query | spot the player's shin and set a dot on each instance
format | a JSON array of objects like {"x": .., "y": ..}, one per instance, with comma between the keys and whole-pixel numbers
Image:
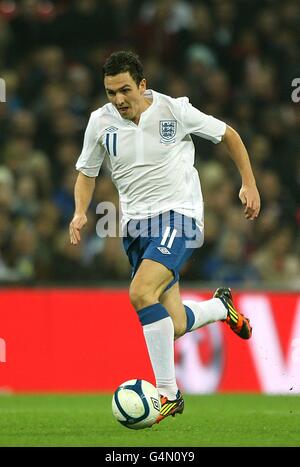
[{"x": 158, "y": 330}]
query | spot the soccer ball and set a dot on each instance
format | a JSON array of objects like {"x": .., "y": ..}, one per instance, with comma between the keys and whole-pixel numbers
[{"x": 136, "y": 404}]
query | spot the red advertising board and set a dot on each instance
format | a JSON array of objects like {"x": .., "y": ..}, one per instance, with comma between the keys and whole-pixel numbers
[{"x": 91, "y": 340}]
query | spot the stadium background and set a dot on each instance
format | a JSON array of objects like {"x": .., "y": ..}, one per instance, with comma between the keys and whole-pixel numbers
[{"x": 234, "y": 59}]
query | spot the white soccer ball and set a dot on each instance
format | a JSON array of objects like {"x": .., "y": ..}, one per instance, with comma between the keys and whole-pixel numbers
[{"x": 136, "y": 404}]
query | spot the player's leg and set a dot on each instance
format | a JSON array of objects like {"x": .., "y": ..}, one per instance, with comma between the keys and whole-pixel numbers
[
  {"x": 148, "y": 283},
  {"x": 192, "y": 314},
  {"x": 189, "y": 315},
  {"x": 146, "y": 287},
  {"x": 218, "y": 308},
  {"x": 171, "y": 300}
]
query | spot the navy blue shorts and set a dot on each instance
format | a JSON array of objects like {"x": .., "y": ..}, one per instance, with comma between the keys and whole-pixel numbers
[{"x": 168, "y": 238}]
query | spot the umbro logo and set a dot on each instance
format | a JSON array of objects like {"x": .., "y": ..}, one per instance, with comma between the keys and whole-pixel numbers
[
  {"x": 163, "y": 250},
  {"x": 111, "y": 129}
]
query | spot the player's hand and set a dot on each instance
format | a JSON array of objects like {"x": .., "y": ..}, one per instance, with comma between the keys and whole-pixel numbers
[
  {"x": 78, "y": 221},
  {"x": 250, "y": 198}
]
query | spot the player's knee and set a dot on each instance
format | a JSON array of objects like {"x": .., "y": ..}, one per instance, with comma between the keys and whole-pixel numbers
[{"x": 142, "y": 296}]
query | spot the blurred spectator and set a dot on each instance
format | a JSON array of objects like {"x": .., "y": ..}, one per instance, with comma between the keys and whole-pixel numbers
[
  {"x": 228, "y": 263},
  {"x": 6, "y": 189},
  {"x": 69, "y": 266},
  {"x": 276, "y": 262},
  {"x": 22, "y": 256},
  {"x": 26, "y": 204},
  {"x": 64, "y": 197}
]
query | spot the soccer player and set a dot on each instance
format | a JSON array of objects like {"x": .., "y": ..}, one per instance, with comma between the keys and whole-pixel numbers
[{"x": 146, "y": 136}]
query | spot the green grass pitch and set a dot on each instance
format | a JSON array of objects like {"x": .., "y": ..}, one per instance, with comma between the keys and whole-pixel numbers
[{"x": 208, "y": 420}]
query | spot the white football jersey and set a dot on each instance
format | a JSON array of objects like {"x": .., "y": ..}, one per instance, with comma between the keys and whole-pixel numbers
[{"x": 152, "y": 163}]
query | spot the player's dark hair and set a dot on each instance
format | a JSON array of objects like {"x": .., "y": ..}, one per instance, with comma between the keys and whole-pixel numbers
[{"x": 121, "y": 62}]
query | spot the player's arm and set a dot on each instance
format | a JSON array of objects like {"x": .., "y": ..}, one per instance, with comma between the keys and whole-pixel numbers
[
  {"x": 206, "y": 126},
  {"x": 248, "y": 194},
  {"x": 83, "y": 192}
]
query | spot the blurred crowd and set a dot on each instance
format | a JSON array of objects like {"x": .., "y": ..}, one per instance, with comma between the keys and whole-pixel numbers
[{"x": 235, "y": 59}]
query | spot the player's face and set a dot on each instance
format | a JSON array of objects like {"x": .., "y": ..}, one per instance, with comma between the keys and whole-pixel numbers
[{"x": 123, "y": 92}]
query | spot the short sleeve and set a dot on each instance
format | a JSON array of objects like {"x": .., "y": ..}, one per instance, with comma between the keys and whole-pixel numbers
[
  {"x": 92, "y": 154},
  {"x": 200, "y": 124}
]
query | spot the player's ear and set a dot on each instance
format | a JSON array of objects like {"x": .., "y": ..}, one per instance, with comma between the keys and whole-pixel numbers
[{"x": 143, "y": 86}]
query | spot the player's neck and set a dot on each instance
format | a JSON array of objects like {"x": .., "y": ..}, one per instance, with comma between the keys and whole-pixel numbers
[{"x": 145, "y": 103}]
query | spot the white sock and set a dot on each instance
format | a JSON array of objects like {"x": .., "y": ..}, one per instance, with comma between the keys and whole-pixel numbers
[
  {"x": 159, "y": 338},
  {"x": 207, "y": 311}
]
